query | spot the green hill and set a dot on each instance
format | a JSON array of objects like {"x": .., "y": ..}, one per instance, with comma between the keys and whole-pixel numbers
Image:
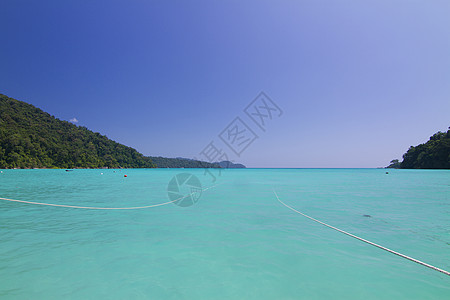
[
  {"x": 434, "y": 154},
  {"x": 32, "y": 138},
  {"x": 164, "y": 162}
]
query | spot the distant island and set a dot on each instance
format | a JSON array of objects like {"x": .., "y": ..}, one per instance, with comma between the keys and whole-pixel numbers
[
  {"x": 228, "y": 164},
  {"x": 434, "y": 154},
  {"x": 181, "y": 162},
  {"x": 32, "y": 138},
  {"x": 161, "y": 162}
]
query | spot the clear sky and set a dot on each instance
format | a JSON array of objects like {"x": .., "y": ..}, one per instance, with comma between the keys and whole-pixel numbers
[{"x": 358, "y": 81}]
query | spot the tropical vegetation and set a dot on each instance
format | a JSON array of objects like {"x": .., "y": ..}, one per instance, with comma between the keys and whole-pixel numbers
[
  {"x": 32, "y": 138},
  {"x": 434, "y": 154}
]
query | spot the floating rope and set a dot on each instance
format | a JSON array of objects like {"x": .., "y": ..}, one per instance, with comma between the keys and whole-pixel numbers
[
  {"x": 364, "y": 240},
  {"x": 104, "y": 208}
]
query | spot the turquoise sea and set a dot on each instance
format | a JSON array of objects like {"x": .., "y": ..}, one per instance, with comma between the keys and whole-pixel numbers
[{"x": 236, "y": 242}]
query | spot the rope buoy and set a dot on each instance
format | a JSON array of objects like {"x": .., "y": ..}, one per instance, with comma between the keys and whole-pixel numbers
[
  {"x": 365, "y": 241},
  {"x": 102, "y": 208}
]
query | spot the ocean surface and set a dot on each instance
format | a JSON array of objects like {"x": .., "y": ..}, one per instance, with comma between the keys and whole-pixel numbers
[{"x": 235, "y": 241}]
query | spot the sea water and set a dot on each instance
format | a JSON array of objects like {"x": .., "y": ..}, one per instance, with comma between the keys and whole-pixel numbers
[{"x": 236, "y": 242}]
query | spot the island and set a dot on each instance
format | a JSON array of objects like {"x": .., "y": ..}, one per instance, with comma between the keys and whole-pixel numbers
[
  {"x": 434, "y": 154},
  {"x": 31, "y": 138}
]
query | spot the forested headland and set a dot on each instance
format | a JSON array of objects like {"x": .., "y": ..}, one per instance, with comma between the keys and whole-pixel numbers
[
  {"x": 32, "y": 138},
  {"x": 434, "y": 154}
]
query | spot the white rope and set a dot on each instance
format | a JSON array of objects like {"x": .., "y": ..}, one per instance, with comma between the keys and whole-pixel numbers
[
  {"x": 104, "y": 208},
  {"x": 364, "y": 240}
]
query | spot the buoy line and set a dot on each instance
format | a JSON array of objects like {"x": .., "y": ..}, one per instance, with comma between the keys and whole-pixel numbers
[
  {"x": 364, "y": 240},
  {"x": 104, "y": 208}
]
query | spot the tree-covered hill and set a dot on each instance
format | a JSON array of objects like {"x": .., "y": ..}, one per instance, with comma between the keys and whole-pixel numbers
[
  {"x": 230, "y": 165},
  {"x": 434, "y": 154},
  {"x": 32, "y": 138},
  {"x": 164, "y": 162}
]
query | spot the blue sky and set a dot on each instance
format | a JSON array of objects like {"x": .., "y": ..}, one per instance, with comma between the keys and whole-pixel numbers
[{"x": 358, "y": 81}]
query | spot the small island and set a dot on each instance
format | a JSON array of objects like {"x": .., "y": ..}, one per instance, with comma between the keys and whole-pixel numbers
[{"x": 434, "y": 154}]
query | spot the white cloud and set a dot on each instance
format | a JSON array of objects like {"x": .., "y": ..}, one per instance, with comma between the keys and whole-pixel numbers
[{"x": 73, "y": 120}]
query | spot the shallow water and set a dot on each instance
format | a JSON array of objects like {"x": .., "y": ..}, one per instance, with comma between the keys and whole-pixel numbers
[{"x": 236, "y": 242}]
